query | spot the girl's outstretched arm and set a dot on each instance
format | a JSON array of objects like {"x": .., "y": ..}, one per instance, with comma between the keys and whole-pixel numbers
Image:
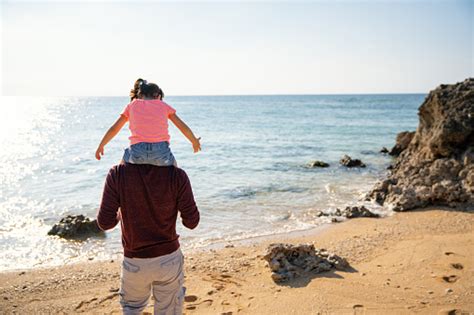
[
  {"x": 109, "y": 135},
  {"x": 181, "y": 125}
]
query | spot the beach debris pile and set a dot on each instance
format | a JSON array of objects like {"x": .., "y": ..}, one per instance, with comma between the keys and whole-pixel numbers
[
  {"x": 73, "y": 226},
  {"x": 351, "y": 213},
  {"x": 436, "y": 167},
  {"x": 314, "y": 164},
  {"x": 347, "y": 161},
  {"x": 288, "y": 261}
]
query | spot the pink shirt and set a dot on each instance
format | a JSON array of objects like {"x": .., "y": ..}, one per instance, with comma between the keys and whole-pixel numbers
[{"x": 148, "y": 120}]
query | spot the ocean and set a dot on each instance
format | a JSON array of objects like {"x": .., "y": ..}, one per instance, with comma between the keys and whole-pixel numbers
[{"x": 249, "y": 180}]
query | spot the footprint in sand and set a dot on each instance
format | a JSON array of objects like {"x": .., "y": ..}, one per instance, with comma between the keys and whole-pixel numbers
[
  {"x": 207, "y": 302},
  {"x": 193, "y": 306},
  {"x": 457, "y": 266},
  {"x": 190, "y": 298},
  {"x": 451, "y": 312},
  {"x": 450, "y": 279},
  {"x": 358, "y": 309},
  {"x": 84, "y": 303},
  {"x": 218, "y": 286}
]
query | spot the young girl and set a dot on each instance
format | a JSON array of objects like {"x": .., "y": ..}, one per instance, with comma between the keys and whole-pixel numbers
[{"x": 148, "y": 118}]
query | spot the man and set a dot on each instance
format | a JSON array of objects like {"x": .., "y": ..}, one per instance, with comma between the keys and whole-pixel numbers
[{"x": 146, "y": 200}]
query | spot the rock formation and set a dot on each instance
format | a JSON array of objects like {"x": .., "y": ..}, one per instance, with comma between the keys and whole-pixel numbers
[
  {"x": 347, "y": 161},
  {"x": 75, "y": 227},
  {"x": 289, "y": 261},
  {"x": 436, "y": 166}
]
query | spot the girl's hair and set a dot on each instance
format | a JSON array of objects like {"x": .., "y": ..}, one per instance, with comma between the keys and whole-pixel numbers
[
  {"x": 162, "y": 94},
  {"x": 136, "y": 88},
  {"x": 142, "y": 88}
]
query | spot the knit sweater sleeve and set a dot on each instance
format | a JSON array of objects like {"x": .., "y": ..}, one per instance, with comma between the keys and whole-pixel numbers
[
  {"x": 186, "y": 204},
  {"x": 107, "y": 215}
]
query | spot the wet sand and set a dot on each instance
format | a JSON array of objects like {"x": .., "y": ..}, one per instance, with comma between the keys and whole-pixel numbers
[{"x": 418, "y": 262}]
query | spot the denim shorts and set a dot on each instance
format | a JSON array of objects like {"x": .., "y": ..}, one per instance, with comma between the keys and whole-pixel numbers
[{"x": 154, "y": 153}]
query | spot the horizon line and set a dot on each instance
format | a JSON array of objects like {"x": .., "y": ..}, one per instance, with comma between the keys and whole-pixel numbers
[{"x": 213, "y": 95}]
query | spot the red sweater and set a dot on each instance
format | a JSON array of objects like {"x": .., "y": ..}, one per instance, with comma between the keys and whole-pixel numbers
[{"x": 149, "y": 198}]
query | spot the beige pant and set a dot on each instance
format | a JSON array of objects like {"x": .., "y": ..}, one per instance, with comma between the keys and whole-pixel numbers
[{"x": 161, "y": 275}]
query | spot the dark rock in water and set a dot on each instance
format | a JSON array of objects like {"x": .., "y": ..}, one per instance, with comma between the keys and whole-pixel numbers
[
  {"x": 401, "y": 143},
  {"x": 290, "y": 261},
  {"x": 75, "y": 227},
  {"x": 320, "y": 214},
  {"x": 349, "y": 162},
  {"x": 384, "y": 150},
  {"x": 314, "y": 164},
  {"x": 437, "y": 166}
]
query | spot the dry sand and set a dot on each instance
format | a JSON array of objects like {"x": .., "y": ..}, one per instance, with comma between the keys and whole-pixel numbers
[{"x": 415, "y": 262}]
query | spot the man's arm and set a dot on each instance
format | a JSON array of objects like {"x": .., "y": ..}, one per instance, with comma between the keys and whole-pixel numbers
[
  {"x": 186, "y": 204},
  {"x": 107, "y": 216}
]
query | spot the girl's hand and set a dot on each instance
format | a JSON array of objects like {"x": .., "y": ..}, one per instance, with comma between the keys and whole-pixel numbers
[
  {"x": 110, "y": 134},
  {"x": 197, "y": 145},
  {"x": 99, "y": 152}
]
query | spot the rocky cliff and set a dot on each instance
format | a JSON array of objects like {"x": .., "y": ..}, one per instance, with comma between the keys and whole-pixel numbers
[{"x": 435, "y": 164}]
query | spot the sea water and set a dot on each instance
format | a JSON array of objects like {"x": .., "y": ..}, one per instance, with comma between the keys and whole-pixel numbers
[{"x": 251, "y": 178}]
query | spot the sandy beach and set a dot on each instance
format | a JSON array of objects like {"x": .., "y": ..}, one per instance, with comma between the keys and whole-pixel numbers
[
  {"x": 315, "y": 157},
  {"x": 418, "y": 262}
]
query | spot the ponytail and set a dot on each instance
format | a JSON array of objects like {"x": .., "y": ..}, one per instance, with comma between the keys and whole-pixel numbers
[
  {"x": 161, "y": 94},
  {"x": 134, "y": 93}
]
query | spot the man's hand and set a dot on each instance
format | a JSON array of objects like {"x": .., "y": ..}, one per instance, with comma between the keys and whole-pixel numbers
[
  {"x": 197, "y": 145},
  {"x": 99, "y": 152}
]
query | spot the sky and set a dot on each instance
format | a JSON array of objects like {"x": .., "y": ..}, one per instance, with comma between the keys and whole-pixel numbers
[{"x": 89, "y": 48}]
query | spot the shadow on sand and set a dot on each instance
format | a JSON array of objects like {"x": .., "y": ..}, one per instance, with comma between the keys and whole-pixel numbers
[{"x": 306, "y": 277}]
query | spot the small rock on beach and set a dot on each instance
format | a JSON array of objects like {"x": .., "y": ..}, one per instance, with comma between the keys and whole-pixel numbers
[
  {"x": 290, "y": 261},
  {"x": 351, "y": 212}
]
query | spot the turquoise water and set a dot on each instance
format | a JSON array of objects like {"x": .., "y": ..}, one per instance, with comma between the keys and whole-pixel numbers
[{"x": 250, "y": 178}]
